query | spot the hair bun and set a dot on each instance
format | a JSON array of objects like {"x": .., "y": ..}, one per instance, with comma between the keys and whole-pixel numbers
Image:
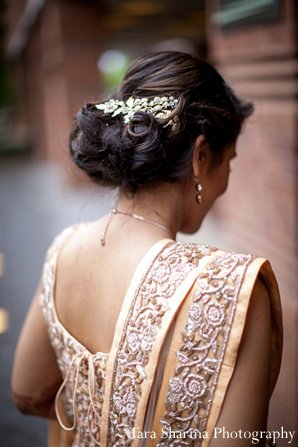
[
  {"x": 117, "y": 143},
  {"x": 115, "y": 154},
  {"x": 145, "y": 134},
  {"x": 141, "y": 124}
]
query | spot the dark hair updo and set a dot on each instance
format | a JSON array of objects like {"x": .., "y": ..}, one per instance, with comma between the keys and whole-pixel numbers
[{"x": 146, "y": 152}]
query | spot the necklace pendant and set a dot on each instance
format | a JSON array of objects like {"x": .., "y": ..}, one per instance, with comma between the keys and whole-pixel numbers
[{"x": 129, "y": 214}]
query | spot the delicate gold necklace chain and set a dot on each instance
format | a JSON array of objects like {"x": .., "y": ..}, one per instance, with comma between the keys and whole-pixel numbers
[{"x": 129, "y": 214}]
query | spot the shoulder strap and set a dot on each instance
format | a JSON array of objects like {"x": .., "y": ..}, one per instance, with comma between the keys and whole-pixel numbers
[{"x": 151, "y": 308}]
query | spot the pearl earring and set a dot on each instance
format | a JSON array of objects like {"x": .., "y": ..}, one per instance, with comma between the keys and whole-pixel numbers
[{"x": 199, "y": 189}]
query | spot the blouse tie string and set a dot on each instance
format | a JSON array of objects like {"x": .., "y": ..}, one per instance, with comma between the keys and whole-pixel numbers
[{"x": 93, "y": 418}]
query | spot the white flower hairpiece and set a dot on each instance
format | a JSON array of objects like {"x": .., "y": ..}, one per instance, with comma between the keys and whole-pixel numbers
[{"x": 160, "y": 106}]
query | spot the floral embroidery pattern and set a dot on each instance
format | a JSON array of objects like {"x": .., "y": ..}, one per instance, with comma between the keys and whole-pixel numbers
[
  {"x": 191, "y": 390},
  {"x": 151, "y": 302},
  {"x": 199, "y": 357}
]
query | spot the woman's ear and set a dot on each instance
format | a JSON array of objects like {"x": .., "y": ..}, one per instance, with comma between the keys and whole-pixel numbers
[{"x": 199, "y": 155}]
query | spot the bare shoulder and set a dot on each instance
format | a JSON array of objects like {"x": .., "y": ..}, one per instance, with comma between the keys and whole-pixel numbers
[
  {"x": 76, "y": 262},
  {"x": 84, "y": 237}
]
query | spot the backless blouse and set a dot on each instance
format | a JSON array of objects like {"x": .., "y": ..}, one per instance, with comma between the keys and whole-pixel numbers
[{"x": 173, "y": 354}]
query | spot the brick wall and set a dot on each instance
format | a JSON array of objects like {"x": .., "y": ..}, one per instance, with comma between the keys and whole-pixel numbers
[
  {"x": 259, "y": 213},
  {"x": 59, "y": 67}
]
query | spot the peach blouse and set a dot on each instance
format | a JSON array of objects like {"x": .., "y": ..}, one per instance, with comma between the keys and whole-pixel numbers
[{"x": 173, "y": 354}]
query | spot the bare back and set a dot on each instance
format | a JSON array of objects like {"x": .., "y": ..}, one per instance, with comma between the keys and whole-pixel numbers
[{"x": 91, "y": 280}]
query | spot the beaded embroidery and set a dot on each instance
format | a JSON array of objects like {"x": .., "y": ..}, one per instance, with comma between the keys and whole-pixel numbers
[
  {"x": 203, "y": 344},
  {"x": 200, "y": 355},
  {"x": 160, "y": 106},
  {"x": 151, "y": 302}
]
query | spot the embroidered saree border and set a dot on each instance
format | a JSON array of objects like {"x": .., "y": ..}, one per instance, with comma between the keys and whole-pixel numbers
[
  {"x": 137, "y": 279},
  {"x": 232, "y": 346},
  {"x": 140, "y": 335},
  {"x": 177, "y": 300},
  {"x": 187, "y": 392},
  {"x": 258, "y": 266},
  {"x": 162, "y": 348}
]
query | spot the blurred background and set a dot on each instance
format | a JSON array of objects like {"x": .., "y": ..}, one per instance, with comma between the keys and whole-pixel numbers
[{"x": 56, "y": 55}]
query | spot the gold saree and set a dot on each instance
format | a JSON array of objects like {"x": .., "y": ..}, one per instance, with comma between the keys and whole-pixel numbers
[{"x": 174, "y": 349}]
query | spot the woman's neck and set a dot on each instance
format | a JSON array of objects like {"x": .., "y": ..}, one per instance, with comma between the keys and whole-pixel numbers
[{"x": 161, "y": 206}]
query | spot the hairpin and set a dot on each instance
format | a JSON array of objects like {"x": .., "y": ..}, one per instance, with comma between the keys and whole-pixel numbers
[{"x": 160, "y": 106}]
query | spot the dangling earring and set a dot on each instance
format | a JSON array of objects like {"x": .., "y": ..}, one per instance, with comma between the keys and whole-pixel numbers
[{"x": 199, "y": 189}]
